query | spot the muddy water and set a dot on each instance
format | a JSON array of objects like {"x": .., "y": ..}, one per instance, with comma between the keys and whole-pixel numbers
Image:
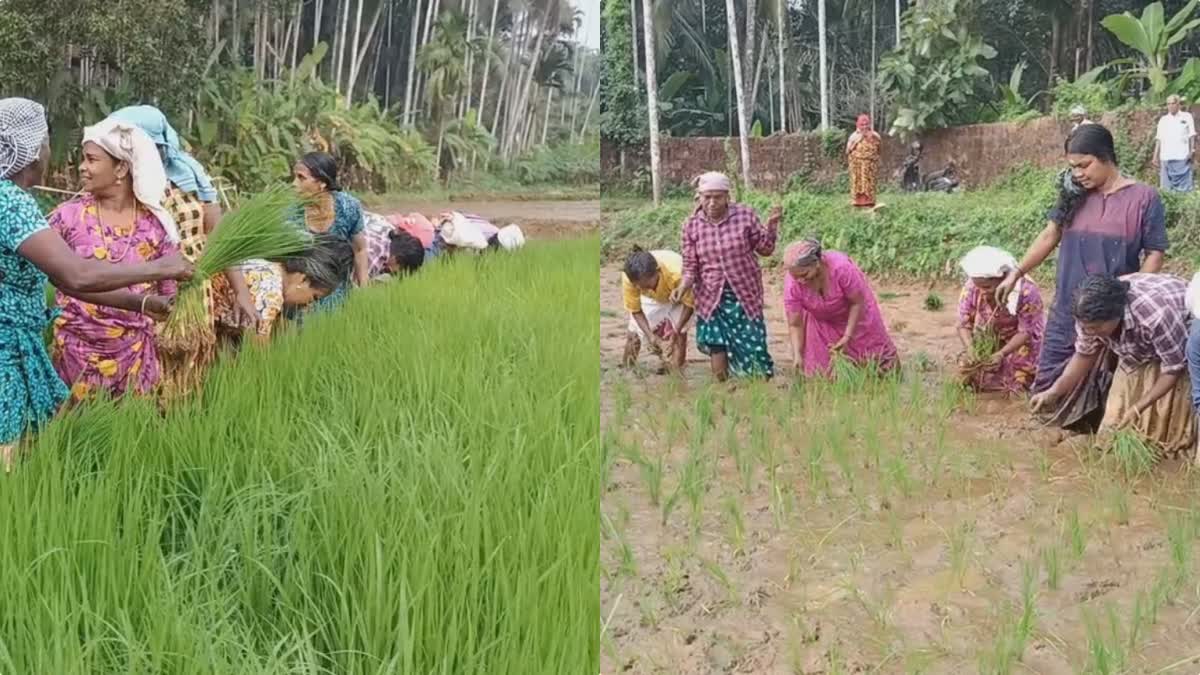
[{"x": 862, "y": 578}]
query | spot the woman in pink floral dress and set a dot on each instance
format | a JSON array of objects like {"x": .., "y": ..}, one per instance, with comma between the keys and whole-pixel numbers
[
  {"x": 1012, "y": 331},
  {"x": 119, "y": 219}
]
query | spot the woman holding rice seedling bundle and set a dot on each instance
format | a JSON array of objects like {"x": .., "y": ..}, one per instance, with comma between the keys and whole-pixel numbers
[
  {"x": 119, "y": 219},
  {"x": 720, "y": 243},
  {"x": 192, "y": 201},
  {"x": 1103, "y": 223},
  {"x": 297, "y": 282},
  {"x": 647, "y": 282},
  {"x": 1001, "y": 340},
  {"x": 831, "y": 309},
  {"x": 329, "y": 209},
  {"x": 32, "y": 253},
  {"x": 1143, "y": 320}
]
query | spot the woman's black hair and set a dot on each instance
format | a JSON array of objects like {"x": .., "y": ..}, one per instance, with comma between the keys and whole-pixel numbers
[
  {"x": 1092, "y": 139},
  {"x": 640, "y": 265},
  {"x": 323, "y": 167},
  {"x": 1100, "y": 298},
  {"x": 407, "y": 250},
  {"x": 326, "y": 265}
]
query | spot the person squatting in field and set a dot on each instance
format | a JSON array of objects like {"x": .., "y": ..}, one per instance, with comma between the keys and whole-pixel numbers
[
  {"x": 720, "y": 243},
  {"x": 1143, "y": 320},
  {"x": 831, "y": 309},
  {"x": 1103, "y": 223},
  {"x": 392, "y": 249},
  {"x": 655, "y": 320},
  {"x": 32, "y": 253},
  {"x": 119, "y": 220},
  {"x": 295, "y": 283},
  {"x": 1001, "y": 339}
]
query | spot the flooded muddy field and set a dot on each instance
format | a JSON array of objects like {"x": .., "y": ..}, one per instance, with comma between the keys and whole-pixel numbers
[{"x": 897, "y": 526}]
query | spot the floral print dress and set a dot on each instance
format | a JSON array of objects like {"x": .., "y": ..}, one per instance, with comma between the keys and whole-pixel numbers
[
  {"x": 264, "y": 280},
  {"x": 30, "y": 390},
  {"x": 99, "y": 348},
  {"x": 978, "y": 312}
]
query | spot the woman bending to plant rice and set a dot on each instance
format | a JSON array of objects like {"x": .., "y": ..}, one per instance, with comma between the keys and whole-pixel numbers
[
  {"x": 31, "y": 254},
  {"x": 1104, "y": 223},
  {"x": 720, "y": 242},
  {"x": 295, "y": 283},
  {"x": 831, "y": 309},
  {"x": 1143, "y": 320},
  {"x": 119, "y": 220},
  {"x": 391, "y": 249},
  {"x": 649, "y": 279},
  {"x": 192, "y": 201},
  {"x": 1001, "y": 340},
  {"x": 332, "y": 211}
]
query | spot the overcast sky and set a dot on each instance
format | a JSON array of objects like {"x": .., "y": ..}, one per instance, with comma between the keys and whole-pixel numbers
[{"x": 591, "y": 23}]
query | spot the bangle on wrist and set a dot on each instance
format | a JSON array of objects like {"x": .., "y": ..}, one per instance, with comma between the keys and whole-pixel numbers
[{"x": 143, "y": 309}]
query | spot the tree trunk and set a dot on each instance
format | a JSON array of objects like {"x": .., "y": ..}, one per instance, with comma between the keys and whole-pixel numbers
[
  {"x": 652, "y": 99},
  {"x": 412, "y": 61},
  {"x": 318, "y": 11},
  {"x": 341, "y": 50},
  {"x": 873, "y": 60},
  {"x": 781, "y": 26},
  {"x": 487, "y": 61},
  {"x": 1055, "y": 39},
  {"x": 391, "y": 56},
  {"x": 430, "y": 19},
  {"x": 762, "y": 57},
  {"x": 470, "y": 88},
  {"x": 750, "y": 56},
  {"x": 357, "y": 59},
  {"x": 743, "y": 124},
  {"x": 514, "y": 58},
  {"x": 822, "y": 55},
  {"x": 897, "y": 24},
  {"x": 1091, "y": 19},
  {"x": 633, "y": 18},
  {"x": 587, "y": 116},
  {"x": 546, "y": 120},
  {"x": 522, "y": 101},
  {"x": 237, "y": 34}
]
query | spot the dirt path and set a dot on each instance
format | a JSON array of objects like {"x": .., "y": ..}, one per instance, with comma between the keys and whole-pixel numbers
[
  {"x": 539, "y": 219},
  {"x": 747, "y": 550}
]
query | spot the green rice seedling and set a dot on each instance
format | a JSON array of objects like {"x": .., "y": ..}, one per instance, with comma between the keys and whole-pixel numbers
[
  {"x": 1132, "y": 455},
  {"x": 1106, "y": 645},
  {"x": 1052, "y": 562},
  {"x": 735, "y": 523},
  {"x": 961, "y": 542},
  {"x": 622, "y": 402},
  {"x": 1181, "y": 534},
  {"x": 817, "y": 479},
  {"x": 704, "y": 411},
  {"x": 742, "y": 458},
  {"x": 934, "y": 302},
  {"x": 1075, "y": 534},
  {"x": 1118, "y": 504},
  {"x": 652, "y": 476},
  {"x": 626, "y": 565},
  {"x": 783, "y": 498},
  {"x": 984, "y": 343},
  {"x": 715, "y": 570},
  {"x": 403, "y": 485},
  {"x": 675, "y": 425},
  {"x": 896, "y": 470}
]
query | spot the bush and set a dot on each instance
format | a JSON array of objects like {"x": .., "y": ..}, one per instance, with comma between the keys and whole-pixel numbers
[
  {"x": 570, "y": 164},
  {"x": 1095, "y": 97}
]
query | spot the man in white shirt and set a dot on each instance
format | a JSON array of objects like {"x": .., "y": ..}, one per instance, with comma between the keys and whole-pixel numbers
[{"x": 1174, "y": 146}]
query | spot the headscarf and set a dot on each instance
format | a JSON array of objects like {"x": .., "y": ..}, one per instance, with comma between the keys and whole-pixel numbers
[
  {"x": 863, "y": 124},
  {"x": 1079, "y": 110},
  {"x": 802, "y": 253},
  {"x": 182, "y": 169},
  {"x": 23, "y": 129},
  {"x": 128, "y": 143},
  {"x": 989, "y": 262},
  {"x": 714, "y": 181},
  {"x": 511, "y": 238}
]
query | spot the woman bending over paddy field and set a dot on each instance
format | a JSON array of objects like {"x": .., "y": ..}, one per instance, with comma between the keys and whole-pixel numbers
[
  {"x": 1143, "y": 320},
  {"x": 1104, "y": 223},
  {"x": 192, "y": 201},
  {"x": 295, "y": 283},
  {"x": 120, "y": 220},
  {"x": 1001, "y": 340},
  {"x": 332, "y": 211},
  {"x": 720, "y": 242},
  {"x": 831, "y": 309},
  {"x": 647, "y": 283},
  {"x": 392, "y": 250},
  {"x": 31, "y": 253}
]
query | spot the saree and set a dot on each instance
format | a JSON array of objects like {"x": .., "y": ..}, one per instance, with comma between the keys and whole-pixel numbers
[
  {"x": 186, "y": 353},
  {"x": 742, "y": 339},
  {"x": 978, "y": 312},
  {"x": 864, "y": 169},
  {"x": 1169, "y": 425},
  {"x": 103, "y": 349}
]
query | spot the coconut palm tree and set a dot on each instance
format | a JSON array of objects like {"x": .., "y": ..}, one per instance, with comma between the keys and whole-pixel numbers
[
  {"x": 740, "y": 89},
  {"x": 652, "y": 97}
]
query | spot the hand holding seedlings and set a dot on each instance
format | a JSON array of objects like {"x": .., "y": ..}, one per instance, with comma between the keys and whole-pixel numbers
[
  {"x": 157, "y": 307},
  {"x": 1042, "y": 401},
  {"x": 175, "y": 267},
  {"x": 1130, "y": 418}
]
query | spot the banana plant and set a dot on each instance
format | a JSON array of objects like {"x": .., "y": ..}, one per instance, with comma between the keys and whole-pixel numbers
[{"x": 1153, "y": 38}]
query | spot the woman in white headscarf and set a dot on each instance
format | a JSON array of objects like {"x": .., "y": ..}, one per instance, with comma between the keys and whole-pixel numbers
[
  {"x": 1001, "y": 341},
  {"x": 30, "y": 254},
  {"x": 119, "y": 219}
]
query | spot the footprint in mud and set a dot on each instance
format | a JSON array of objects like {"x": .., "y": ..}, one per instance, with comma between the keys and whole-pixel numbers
[{"x": 1095, "y": 589}]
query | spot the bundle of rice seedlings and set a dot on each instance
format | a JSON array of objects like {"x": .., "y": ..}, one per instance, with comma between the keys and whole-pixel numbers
[
  {"x": 984, "y": 343},
  {"x": 1131, "y": 453},
  {"x": 259, "y": 229}
]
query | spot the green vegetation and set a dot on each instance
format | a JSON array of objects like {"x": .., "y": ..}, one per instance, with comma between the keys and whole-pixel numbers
[
  {"x": 916, "y": 236},
  {"x": 404, "y": 486}
]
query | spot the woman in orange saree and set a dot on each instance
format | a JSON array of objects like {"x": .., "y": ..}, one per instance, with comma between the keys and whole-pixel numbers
[{"x": 862, "y": 153}]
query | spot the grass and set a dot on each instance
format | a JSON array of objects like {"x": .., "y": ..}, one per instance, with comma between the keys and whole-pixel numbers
[
  {"x": 402, "y": 487},
  {"x": 934, "y": 302}
]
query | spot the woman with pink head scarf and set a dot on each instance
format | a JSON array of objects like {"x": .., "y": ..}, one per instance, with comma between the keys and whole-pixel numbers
[
  {"x": 862, "y": 153},
  {"x": 720, "y": 243},
  {"x": 831, "y": 308}
]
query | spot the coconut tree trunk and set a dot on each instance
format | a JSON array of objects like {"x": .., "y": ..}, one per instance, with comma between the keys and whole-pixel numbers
[
  {"x": 546, "y": 119},
  {"x": 652, "y": 99},
  {"x": 487, "y": 60},
  {"x": 743, "y": 123},
  {"x": 358, "y": 57},
  {"x": 822, "y": 55},
  {"x": 751, "y": 56},
  {"x": 587, "y": 116},
  {"x": 514, "y": 58},
  {"x": 781, "y": 25},
  {"x": 633, "y": 20},
  {"x": 758, "y": 67},
  {"x": 897, "y": 24},
  {"x": 527, "y": 87},
  {"x": 317, "y": 15},
  {"x": 470, "y": 88},
  {"x": 414, "y": 32},
  {"x": 354, "y": 41}
]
